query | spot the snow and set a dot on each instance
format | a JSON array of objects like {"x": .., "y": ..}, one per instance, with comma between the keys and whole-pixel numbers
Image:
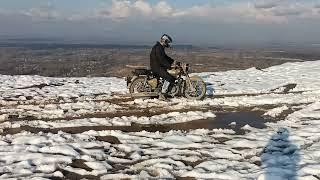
[
  {"x": 4, "y": 117},
  {"x": 29, "y": 139},
  {"x": 62, "y": 149},
  {"x": 286, "y": 148},
  {"x": 276, "y": 111},
  {"x": 257, "y": 81}
]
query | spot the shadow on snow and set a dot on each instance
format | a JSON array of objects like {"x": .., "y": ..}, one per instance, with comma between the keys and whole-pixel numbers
[{"x": 280, "y": 157}]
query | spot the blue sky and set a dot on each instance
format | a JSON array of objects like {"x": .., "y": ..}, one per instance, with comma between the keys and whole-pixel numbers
[{"x": 141, "y": 21}]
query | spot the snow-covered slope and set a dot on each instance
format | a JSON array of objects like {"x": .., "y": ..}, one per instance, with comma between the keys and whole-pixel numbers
[{"x": 86, "y": 128}]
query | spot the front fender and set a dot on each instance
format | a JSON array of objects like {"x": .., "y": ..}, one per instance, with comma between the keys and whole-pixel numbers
[
  {"x": 196, "y": 78},
  {"x": 185, "y": 81}
]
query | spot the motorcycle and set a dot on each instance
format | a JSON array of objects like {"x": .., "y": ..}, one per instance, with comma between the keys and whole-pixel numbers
[{"x": 144, "y": 83}]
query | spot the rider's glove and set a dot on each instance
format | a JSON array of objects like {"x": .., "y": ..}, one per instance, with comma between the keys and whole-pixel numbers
[{"x": 176, "y": 63}]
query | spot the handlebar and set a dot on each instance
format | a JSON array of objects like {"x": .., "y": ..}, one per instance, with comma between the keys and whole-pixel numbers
[
  {"x": 182, "y": 66},
  {"x": 176, "y": 64}
]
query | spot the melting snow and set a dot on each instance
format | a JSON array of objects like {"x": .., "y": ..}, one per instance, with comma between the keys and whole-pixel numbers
[{"x": 285, "y": 149}]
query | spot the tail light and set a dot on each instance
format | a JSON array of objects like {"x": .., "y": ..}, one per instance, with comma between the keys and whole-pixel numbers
[{"x": 128, "y": 79}]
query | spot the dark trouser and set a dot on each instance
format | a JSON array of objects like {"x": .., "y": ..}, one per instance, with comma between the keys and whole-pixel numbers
[
  {"x": 165, "y": 75},
  {"x": 169, "y": 80}
]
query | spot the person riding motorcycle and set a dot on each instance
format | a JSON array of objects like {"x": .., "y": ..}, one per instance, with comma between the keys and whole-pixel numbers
[{"x": 160, "y": 62}]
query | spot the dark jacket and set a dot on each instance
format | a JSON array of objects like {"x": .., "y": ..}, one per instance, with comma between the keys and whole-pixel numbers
[{"x": 160, "y": 62}]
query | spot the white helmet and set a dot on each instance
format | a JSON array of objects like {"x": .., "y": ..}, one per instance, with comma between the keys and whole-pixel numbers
[{"x": 166, "y": 40}]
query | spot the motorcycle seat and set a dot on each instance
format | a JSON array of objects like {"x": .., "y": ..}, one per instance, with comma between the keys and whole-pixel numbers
[{"x": 143, "y": 71}]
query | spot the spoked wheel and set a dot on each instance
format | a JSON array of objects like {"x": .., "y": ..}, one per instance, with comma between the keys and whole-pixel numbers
[
  {"x": 139, "y": 85},
  {"x": 198, "y": 91},
  {"x": 174, "y": 91}
]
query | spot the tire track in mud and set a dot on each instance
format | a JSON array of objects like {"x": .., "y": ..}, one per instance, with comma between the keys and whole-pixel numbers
[
  {"x": 222, "y": 120},
  {"x": 119, "y": 99},
  {"x": 116, "y": 98},
  {"x": 128, "y": 111},
  {"x": 115, "y": 101},
  {"x": 133, "y": 110},
  {"x": 256, "y": 94},
  {"x": 57, "y": 101}
]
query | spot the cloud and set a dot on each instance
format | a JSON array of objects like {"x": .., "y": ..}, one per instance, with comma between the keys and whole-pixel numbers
[
  {"x": 121, "y": 9},
  {"x": 163, "y": 9},
  {"x": 235, "y": 13},
  {"x": 143, "y": 7},
  {"x": 287, "y": 12},
  {"x": 266, "y": 4},
  {"x": 125, "y": 10},
  {"x": 44, "y": 12},
  {"x": 129, "y": 19},
  {"x": 256, "y": 11}
]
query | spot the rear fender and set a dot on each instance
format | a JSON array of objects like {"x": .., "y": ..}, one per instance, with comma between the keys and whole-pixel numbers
[{"x": 130, "y": 79}]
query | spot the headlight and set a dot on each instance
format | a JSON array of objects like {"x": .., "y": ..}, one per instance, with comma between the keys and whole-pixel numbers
[{"x": 187, "y": 67}]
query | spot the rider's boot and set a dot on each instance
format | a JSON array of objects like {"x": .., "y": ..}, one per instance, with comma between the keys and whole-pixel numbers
[
  {"x": 162, "y": 97},
  {"x": 163, "y": 93}
]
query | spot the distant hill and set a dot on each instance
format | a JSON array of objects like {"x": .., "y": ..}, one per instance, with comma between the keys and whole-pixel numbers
[{"x": 81, "y": 46}]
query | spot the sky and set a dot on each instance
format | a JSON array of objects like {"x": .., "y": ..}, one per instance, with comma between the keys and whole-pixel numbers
[{"x": 198, "y": 22}]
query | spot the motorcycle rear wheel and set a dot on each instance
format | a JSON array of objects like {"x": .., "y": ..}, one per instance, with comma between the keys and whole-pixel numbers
[{"x": 139, "y": 85}]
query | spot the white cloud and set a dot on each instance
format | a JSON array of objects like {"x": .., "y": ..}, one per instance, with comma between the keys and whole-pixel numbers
[
  {"x": 252, "y": 20},
  {"x": 120, "y": 9},
  {"x": 266, "y": 4},
  {"x": 254, "y": 11},
  {"x": 292, "y": 10},
  {"x": 43, "y": 13},
  {"x": 236, "y": 13},
  {"x": 125, "y": 9},
  {"x": 204, "y": 11},
  {"x": 143, "y": 7},
  {"x": 163, "y": 9}
]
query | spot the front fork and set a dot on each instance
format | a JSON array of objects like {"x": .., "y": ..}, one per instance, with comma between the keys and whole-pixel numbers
[{"x": 190, "y": 84}]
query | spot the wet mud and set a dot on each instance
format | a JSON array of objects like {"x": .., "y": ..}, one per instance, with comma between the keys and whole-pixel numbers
[{"x": 225, "y": 120}]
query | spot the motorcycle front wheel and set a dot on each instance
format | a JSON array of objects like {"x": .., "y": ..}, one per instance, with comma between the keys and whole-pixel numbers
[{"x": 199, "y": 86}]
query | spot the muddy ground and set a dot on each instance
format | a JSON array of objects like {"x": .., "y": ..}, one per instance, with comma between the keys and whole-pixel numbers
[{"x": 93, "y": 61}]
